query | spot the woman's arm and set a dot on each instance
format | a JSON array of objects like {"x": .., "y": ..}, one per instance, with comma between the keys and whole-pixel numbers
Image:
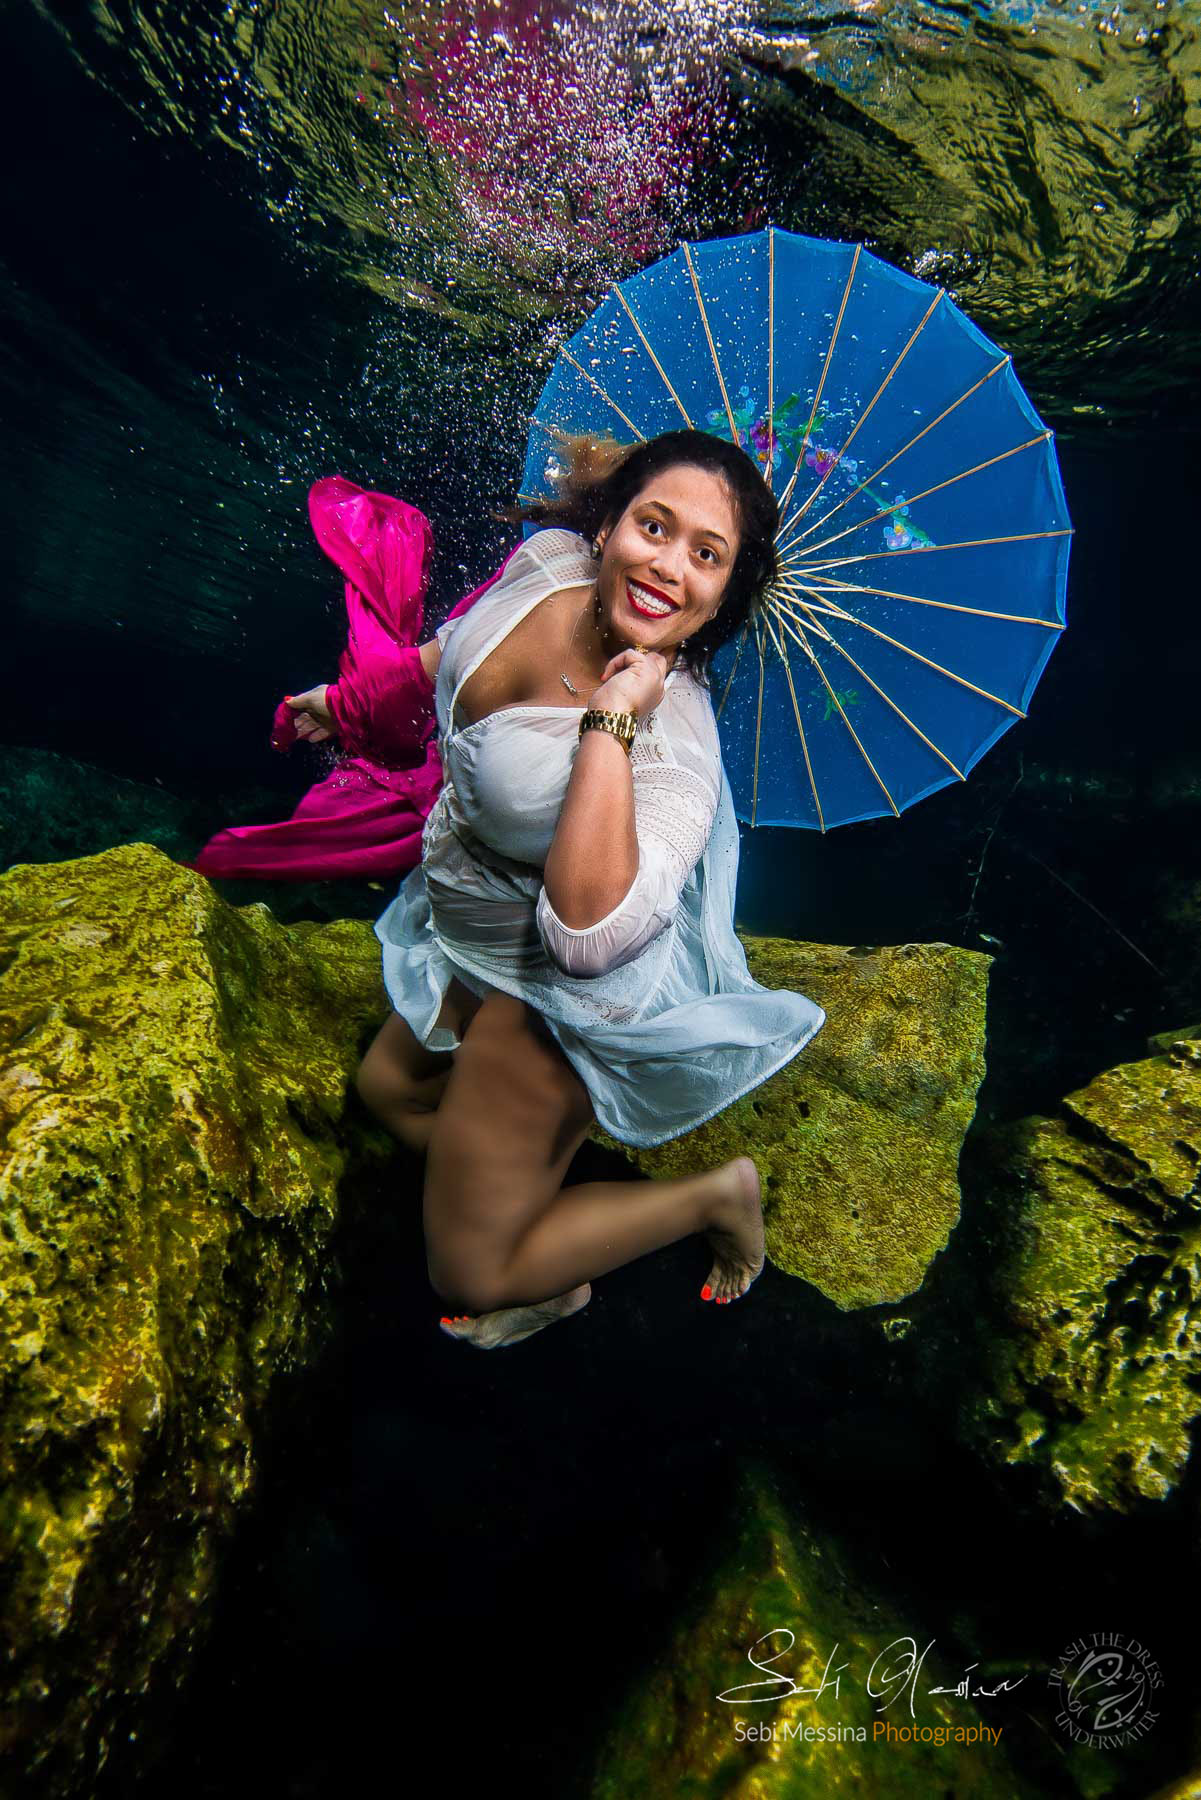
[
  {"x": 593, "y": 858},
  {"x": 431, "y": 656},
  {"x": 674, "y": 808}
]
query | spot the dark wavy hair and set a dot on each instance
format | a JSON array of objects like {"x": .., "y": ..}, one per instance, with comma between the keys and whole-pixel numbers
[{"x": 603, "y": 478}]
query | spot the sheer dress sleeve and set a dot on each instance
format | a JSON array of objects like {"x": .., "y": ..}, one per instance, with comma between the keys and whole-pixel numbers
[{"x": 674, "y": 809}]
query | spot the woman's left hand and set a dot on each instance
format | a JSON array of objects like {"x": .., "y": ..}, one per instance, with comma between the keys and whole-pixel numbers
[
  {"x": 312, "y": 717},
  {"x": 632, "y": 682}
]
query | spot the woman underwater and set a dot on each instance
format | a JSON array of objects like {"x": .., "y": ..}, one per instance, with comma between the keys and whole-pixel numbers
[{"x": 565, "y": 950}]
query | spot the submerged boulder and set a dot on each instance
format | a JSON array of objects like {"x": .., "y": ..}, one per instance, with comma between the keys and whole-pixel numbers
[
  {"x": 173, "y": 1074},
  {"x": 792, "y": 1672},
  {"x": 857, "y": 1139},
  {"x": 1078, "y": 1353}
]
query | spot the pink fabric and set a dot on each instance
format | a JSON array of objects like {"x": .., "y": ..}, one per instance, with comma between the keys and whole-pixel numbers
[{"x": 366, "y": 817}]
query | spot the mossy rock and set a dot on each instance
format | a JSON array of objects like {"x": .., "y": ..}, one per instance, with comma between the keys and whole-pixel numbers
[
  {"x": 857, "y": 1139},
  {"x": 1084, "y": 1347},
  {"x": 173, "y": 1075},
  {"x": 792, "y": 1598},
  {"x": 1160, "y": 1043}
]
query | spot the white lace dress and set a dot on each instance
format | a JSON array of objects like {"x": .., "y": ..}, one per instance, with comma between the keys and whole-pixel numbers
[{"x": 653, "y": 1006}]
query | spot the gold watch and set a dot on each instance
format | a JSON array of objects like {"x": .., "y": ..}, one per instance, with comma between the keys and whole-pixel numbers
[{"x": 622, "y": 725}]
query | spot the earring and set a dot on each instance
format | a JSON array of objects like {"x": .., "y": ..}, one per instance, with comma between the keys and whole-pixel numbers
[{"x": 597, "y": 547}]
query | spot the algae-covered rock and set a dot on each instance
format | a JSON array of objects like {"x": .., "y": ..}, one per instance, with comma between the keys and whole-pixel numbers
[
  {"x": 172, "y": 1084},
  {"x": 54, "y": 807},
  {"x": 857, "y": 1139},
  {"x": 1086, "y": 1344},
  {"x": 713, "y": 1712},
  {"x": 1160, "y": 1042}
]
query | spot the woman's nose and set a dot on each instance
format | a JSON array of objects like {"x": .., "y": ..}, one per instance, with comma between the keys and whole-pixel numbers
[{"x": 668, "y": 573}]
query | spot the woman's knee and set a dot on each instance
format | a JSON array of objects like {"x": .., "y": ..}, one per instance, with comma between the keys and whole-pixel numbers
[
  {"x": 397, "y": 1069},
  {"x": 463, "y": 1282}
]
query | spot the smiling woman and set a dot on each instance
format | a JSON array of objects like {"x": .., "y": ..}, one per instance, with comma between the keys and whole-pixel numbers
[{"x": 566, "y": 950}]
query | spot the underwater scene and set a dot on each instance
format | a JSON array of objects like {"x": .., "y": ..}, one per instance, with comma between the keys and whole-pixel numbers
[{"x": 804, "y": 1097}]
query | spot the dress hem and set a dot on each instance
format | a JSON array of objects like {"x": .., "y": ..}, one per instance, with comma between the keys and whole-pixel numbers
[{"x": 695, "y": 1124}]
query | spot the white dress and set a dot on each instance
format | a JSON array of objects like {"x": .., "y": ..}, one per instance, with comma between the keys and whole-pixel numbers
[{"x": 653, "y": 1006}]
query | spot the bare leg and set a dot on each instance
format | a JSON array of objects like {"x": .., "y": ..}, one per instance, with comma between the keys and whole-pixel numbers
[
  {"x": 402, "y": 1083},
  {"x": 500, "y": 1233},
  {"x": 600, "y": 1225}
]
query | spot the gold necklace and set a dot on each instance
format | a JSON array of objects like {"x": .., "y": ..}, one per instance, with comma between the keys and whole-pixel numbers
[{"x": 564, "y": 677}]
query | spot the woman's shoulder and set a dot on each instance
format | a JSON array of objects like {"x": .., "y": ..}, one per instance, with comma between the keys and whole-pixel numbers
[{"x": 562, "y": 553}]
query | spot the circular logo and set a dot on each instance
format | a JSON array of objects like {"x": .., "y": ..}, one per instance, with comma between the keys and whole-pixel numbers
[{"x": 1104, "y": 1687}]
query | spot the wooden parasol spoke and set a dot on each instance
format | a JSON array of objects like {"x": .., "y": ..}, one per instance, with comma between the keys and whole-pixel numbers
[
  {"x": 771, "y": 344},
  {"x": 886, "y": 511},
  {"x": 793, "y": 608},
  {"x": 646, "y": 345},
  {"x": 758, "y": 727},
  {"x": 914, "y": 335},
  {"x": 979, "y": 612},
  {"x": 901, "y": 714},
  {"x": 1016, "y": 537},
  {"x": 696, "y": 288},
  {"x": 962, "y": 680},
  {"x": 842, "y": 715},
  {"x": 603, "y": 392},
  {"x": 733, "y": 669},
  {"x": 846, "y": 294},
  {"x": 816, "y": 524},
  {"x": 783, "y": 653}
]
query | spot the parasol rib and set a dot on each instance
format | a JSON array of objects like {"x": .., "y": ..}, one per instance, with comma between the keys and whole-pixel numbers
[
  {"x": 662, "y": 371},
  {"x": 896, "y": 643},
  {"x": 604, "y": 394},
  {"x": 725, "y": 691},
  {"x": 771, "y": 346},
  {"x": 979, "y": 612},
  {"x": 901, "y": 714},
  {"x": 1016, "y": 537},
  {"x": 821, "y": 817},
  {"x": 816, "y": 524},
  {"x": 914, "y": 335},
  {"x": 758, "y": 730},
  {"x": 863, "y": 753},
  {"x": 846, "y": 294},
  {"x": 912, "y": 500},
  {"x": 721, "y": 382}
]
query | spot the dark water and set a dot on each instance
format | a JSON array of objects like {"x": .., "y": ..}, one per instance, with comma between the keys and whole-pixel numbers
[{"x": 250, "y": 244}]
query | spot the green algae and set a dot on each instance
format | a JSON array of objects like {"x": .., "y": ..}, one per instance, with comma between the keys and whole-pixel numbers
[
  {"x": 857, "y": 1139},
  {"x": 1085, "y": 1347},
  {"x": 171, "y": 1143},
  {"x": 794, "y": 1596}
]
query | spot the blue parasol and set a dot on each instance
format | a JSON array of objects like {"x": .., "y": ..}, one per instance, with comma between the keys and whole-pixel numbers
[{"x": 924, "y": 533}]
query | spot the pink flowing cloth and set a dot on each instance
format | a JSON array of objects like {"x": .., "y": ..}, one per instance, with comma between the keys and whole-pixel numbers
[{"x": 366, "y": 817}]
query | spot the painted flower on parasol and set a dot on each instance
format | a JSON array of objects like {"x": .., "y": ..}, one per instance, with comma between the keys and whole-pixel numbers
[{"x": 924, "y": 534}]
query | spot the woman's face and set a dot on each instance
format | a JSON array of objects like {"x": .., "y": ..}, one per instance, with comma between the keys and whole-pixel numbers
[{"x": 666, "y": 562}]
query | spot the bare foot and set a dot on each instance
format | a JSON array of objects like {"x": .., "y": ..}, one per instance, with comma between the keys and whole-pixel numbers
[
  {"x": 493, "y": 1330},
  {"x": 735, "y": 1231}
]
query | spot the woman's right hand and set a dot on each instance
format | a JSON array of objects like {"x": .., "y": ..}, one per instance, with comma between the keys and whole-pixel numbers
[
  {"x": 631, "y": 682},
  {"x": 311, "y": 716}
]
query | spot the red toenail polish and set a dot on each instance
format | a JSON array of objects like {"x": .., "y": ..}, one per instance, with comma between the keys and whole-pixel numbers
[{"x": 706, "y": 1292}]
